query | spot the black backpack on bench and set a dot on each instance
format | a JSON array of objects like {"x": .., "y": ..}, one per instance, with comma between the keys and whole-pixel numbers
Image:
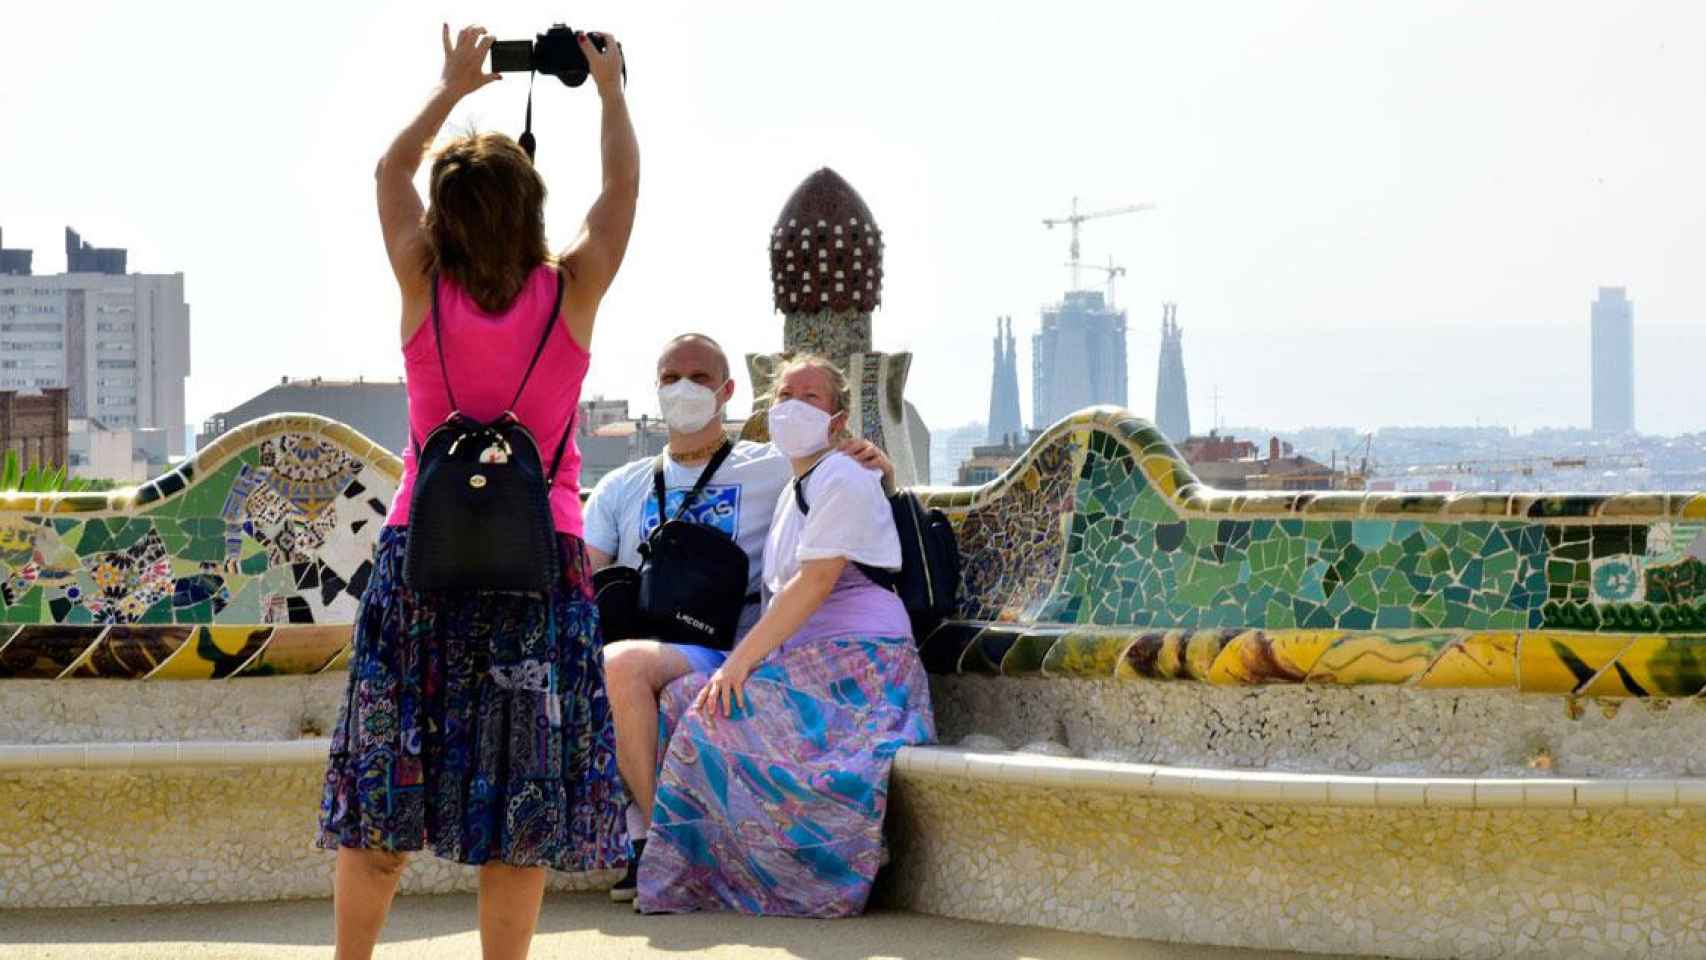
[
  {"x": 480, "y": 515},
  {"x": 929, "y": 577}
]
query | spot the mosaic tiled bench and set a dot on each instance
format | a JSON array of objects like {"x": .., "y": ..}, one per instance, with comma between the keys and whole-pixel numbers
[
  {"x": 1421, "y": 726},
  {"x": 1100, "y": 555}
]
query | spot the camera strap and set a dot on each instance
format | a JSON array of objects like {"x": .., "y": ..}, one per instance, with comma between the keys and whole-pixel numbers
[{"x": 527, "y": 142}]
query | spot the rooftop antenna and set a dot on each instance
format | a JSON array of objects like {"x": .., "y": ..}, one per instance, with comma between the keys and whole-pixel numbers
[{"x": 1074, "y": 219}]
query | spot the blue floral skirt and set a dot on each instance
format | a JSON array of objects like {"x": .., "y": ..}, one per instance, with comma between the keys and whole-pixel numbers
[{"x": 476, "y": 725}]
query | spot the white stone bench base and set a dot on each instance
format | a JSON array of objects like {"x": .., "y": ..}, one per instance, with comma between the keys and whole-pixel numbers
[
  {"x": 1149, "y": 852},
  {"x": 216, "y": 823}
]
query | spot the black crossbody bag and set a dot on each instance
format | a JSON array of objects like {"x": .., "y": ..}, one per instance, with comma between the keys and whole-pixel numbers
[
  {"x": 692, "y": 580},
  {"x": 480, "y": 515}
]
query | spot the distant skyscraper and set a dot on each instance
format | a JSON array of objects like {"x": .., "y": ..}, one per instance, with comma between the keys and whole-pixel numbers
[
  {"x": 119, "y": 343},
  {"x": 1077, "y": 358},
  {"x": 14, "y": 262},
  {"x": 1004, "y": 418},
  {"x": 1613, "y": 362},
  {"x": 1172, "y": 406}
]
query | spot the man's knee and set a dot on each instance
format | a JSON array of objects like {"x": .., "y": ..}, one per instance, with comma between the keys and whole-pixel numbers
[{"x": 636, "y": 667}]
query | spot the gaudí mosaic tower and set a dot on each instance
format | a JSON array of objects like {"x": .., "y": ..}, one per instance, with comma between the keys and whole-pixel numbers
[
  {"x": 1005, "y": 421},
  {"x": 826, "y": 274},
  {"x": 1172, "y": 404}
]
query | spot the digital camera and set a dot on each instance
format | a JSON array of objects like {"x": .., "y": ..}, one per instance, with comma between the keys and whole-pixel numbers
[{"x": 553, "y": 52}]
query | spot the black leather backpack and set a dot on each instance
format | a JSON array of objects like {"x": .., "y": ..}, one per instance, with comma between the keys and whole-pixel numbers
[{"x": 480, "y": 515}]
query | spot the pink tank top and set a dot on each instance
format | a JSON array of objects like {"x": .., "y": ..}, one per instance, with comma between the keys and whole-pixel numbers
[{"x": 487, "y": 354}]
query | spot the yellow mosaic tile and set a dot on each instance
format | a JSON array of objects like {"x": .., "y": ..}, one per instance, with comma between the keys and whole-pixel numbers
[
  {"x": 1553, "y": 661},
  {"x": 1085, "y": 655},
  {"x": 1160, "y": 471},
  {"x": 339, "y": 662},
  {"x": 1406, "y": 504},
  {"x": 1336, "y": 504},
  {"x": 1270, "y": 656},
  {"x": 75, "y": 503},
  {"x": 1477, "y": 505},
  {"x": 216, "y": 453},
  {"x": 21, "y": 503},
  {"x": 1153, "y": 655},
  {"x": 212, "y": 651},
  {"x": 1635, "y": 506},
  {"x": 1655, "y": 666},
  {"x": 1192, "y": 499},
  {"x": 1201, "y": 650},
  {"x": 349, "y": 437},
  {"x": 1480, "y": 660},
  {"x": 1378, "y": 658}
]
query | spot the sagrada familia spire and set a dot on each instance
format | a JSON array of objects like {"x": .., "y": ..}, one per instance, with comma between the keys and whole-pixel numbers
[
  {"x": 826, "y": 277},
  {"x": 1172, "y": 408},
  {"x": 1005, "y": 421}
]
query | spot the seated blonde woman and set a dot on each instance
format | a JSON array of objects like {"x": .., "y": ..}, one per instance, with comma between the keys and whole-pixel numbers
[{"x": 771, "y": 792}]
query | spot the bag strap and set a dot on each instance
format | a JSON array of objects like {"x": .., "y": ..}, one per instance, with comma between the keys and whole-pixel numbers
[
  {"x": 544, "y": 339},
  {"x": 699, "y": 485},
  {"x": 562, "y": 445},
  {"x": 438, "y": 341},
  {"x": 800, "y": 487},
  {"x": 887, "y": 579}
]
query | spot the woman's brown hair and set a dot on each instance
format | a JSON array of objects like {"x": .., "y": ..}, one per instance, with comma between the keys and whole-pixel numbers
[{"x": 485, "y": 225}]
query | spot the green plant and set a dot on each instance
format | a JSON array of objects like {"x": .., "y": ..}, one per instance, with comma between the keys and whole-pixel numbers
[{"x": 38, "y": 479}]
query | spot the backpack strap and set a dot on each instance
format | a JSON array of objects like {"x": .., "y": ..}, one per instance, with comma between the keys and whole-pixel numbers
[
  {"x": 443, "y": 368},
  {"x": 711, "y": 467},
  {"x": 887, "y": 579},
  {"x": 544, "y": 338},
  {"x": 800, "y": 488},
  {"x": 438, "y": 341}
]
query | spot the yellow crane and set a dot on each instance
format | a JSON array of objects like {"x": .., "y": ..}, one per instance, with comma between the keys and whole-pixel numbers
[{"x": 1076, "y": 219}]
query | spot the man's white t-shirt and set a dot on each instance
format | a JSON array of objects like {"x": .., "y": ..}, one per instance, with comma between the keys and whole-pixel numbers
[{"x": 739, "y": 500}]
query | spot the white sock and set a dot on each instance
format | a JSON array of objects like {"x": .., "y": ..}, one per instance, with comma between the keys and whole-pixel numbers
[{"x": 636, "y": 826}]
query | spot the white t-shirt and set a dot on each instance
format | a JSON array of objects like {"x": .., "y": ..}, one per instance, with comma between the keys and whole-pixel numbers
[
  {"x": 739, "y": 500},
  {"x": 850, "y": 517}
]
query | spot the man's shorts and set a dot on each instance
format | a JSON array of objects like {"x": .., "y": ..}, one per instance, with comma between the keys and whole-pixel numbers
[{"x": 699, "y": 659}]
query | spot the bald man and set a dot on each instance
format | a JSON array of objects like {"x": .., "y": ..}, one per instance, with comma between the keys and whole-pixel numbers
[{"x": 694, "y": 385}]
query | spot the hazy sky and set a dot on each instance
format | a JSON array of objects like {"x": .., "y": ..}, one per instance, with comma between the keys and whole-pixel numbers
[{"x": 1369, "y": 214}]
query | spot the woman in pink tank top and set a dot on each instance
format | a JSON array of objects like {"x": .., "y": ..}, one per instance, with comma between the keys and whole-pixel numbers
[{"x": 475, "y": 723}]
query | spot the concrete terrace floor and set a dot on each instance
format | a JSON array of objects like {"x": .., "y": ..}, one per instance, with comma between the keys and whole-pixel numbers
[{"x": 572, "y": 925}]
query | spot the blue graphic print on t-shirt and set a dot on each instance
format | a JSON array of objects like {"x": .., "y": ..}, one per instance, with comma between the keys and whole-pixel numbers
[{"x": 716, "y": 506}]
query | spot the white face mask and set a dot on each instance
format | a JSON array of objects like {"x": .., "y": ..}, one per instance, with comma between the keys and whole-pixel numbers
[
  {"x": 687, "y": 406},
  {"x": 798, "y": 428}
]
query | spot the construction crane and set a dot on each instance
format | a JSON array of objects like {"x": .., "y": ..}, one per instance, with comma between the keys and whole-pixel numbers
[
  {"x": 1111, "y": 270},
  {"x": 1527, "y": 466},
  {"x": 1075, "y": 218}
]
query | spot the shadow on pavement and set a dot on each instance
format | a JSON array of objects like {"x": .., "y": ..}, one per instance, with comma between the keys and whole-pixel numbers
[{"x": 579, "y": 922}]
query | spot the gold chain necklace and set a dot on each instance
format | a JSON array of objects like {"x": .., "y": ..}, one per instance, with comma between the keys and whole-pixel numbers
[{"x": 703, "y": 453}]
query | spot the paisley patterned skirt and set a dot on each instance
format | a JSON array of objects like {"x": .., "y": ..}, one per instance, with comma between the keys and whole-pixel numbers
[
  {"x": 476, "y": 726},
  {"x": 778, "y": 810}
]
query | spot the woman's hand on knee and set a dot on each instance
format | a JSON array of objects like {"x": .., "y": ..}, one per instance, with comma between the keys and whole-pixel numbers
[{"x": 725, "y": 690}]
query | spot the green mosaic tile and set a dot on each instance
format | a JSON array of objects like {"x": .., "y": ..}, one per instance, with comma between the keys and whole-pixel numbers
[{"x": 27, "y": 609}]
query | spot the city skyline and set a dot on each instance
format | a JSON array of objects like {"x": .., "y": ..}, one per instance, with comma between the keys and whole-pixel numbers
[{"x": 1341, "y": 255}]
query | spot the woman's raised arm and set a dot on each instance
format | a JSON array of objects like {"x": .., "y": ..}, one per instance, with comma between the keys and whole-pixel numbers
[
  {"x": 400, "y": 208},
  {"x": 592, "y": 260}
]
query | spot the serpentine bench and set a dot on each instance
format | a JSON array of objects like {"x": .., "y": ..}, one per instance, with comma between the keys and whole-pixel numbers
[{"x": 1457, "y": 725}]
